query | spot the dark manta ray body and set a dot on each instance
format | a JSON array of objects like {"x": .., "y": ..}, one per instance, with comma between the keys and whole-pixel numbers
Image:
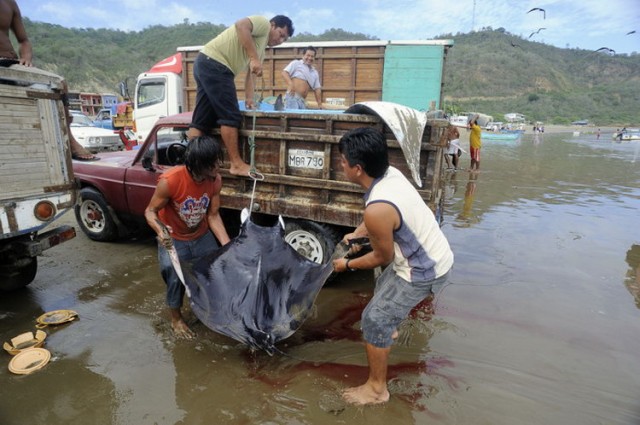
[{"x": 256, "y": 289}]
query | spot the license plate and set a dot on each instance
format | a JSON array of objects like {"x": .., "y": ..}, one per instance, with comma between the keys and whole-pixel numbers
[{"x": 302, "y": 158}]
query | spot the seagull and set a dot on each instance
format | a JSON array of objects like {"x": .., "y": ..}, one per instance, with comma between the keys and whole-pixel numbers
[
  {"x": 631, "y": 32},
  {"x": 515, "y": 45},
  {"x": 536, "y": 32},
  {"x": 544, "y": 13},
  {"x": 607, "y": 50}
]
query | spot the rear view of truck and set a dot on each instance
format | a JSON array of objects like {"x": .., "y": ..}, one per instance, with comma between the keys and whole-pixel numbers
[{"x": 36, "y": 177}]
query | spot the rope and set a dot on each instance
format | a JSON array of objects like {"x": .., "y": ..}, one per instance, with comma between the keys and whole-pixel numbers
[
  {"x": 253, "y": 173},
  {"x": 257, "y": 99}
]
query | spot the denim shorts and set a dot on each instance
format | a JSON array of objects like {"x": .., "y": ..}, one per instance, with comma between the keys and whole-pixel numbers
[
  {"x": 187, "y": 251},
  {"x": 216, "y": 98},
  {"x": 294, "y": 101},
  {"x": 393, "y": 300}
]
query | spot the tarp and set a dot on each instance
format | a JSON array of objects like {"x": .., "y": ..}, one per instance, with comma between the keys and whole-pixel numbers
[{"x": 406, "y": 123}]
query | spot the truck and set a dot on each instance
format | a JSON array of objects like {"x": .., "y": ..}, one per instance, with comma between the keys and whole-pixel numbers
[
  {"x": 36, "y": 176},
  {"x": 295, "y": 152},
  {"x": 406, "y": 72},
  {"x": 115, "y": 117},
  {"x": 118, "y": 118}
]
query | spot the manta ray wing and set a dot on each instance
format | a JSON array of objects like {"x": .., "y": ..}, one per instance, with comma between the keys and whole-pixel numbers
[{"x": 256, "y": 289}]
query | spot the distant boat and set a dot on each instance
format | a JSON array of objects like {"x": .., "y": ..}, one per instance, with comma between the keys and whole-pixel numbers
[
  {"x": 628, "y": 135},
  {"x": 580, "y": 122},
  {"x": 504, "y": 137}
]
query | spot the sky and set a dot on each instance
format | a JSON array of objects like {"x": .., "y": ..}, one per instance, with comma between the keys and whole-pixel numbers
[{"x": 584, "y": 24}]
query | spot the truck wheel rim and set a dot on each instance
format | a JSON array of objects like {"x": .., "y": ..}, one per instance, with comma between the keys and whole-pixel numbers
[
  {"x": 92, "y": 216},
  {"x": 306, "y": 244}
]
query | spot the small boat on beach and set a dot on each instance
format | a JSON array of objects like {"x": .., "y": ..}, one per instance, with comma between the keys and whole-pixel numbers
[
  {"x": 627, "y": 135},
  {"x": 502, "y": 137}
]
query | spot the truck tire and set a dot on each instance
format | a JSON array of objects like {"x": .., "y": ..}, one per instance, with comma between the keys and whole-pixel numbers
[
  {"x": 313, "y": 240},
  {"x": 17, "y": 273},
  {"x": 94, "y": 216}
]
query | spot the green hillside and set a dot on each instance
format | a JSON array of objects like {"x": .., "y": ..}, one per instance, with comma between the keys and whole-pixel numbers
[{"x": 484, "y": 72}]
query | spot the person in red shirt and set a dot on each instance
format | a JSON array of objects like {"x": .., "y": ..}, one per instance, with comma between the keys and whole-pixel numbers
[{"x": 187, "y": 202}]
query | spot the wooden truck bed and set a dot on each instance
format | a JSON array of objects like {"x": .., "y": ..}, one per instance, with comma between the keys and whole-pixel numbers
[{"x": 317, "y": 189}]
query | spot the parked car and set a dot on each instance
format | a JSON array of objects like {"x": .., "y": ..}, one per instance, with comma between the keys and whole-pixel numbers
[{"x": 92, "y": 137}]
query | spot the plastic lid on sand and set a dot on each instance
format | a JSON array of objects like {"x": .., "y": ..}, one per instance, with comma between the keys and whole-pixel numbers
[
  {"x": 56, "y": 317},
  {"x": 29, "y": 360}
]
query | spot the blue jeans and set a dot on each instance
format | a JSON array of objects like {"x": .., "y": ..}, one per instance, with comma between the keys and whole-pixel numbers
[
  {"x": 393, "y": 300},
  {"x": 187, "y": 250},
  {"x": 294, "y": 101}
]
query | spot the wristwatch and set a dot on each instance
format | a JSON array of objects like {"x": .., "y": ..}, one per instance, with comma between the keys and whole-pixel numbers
[{"x": 347, "y": 266}]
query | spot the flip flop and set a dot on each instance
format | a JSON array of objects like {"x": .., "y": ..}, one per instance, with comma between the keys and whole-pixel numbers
[{"x": 83, "y": 157}]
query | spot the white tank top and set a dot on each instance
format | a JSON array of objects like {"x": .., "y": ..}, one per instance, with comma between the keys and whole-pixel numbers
[{"x": 422, "y": 252}]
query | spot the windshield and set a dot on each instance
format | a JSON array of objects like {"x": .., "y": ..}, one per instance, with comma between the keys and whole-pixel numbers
[
  {"x": 151, "y": 92},
  {"x": 81, "y": 120}
]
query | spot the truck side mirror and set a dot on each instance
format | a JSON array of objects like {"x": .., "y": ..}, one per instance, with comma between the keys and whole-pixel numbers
[
  {"x": 147, "y": 161},
  {"x": 124, "y": 89}
]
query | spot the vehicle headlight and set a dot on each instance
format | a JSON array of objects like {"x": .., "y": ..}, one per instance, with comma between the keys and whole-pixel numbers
[{"x": 94, "y": 140}]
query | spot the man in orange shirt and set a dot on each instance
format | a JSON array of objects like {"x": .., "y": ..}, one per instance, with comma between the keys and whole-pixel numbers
[{"x": 187, "y": 202}]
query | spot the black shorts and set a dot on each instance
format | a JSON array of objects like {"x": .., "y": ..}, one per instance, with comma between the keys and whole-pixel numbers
[
  {"x": 216, "y": 98},
  {"x": 6, "y": 62}
]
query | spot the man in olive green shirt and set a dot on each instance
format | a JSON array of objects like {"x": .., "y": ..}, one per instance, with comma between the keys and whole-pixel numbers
[{"x": 240, "y": 46}]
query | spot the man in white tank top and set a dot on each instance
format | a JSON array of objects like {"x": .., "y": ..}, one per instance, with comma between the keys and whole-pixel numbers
[{"x": 405, "y": 238}]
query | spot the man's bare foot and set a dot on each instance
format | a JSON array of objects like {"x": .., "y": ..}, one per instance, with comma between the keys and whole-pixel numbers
[
  {"x": 363, "y": 395},
  {"x": 240, "y": 169},
  {"x": 181, "y": 330}
]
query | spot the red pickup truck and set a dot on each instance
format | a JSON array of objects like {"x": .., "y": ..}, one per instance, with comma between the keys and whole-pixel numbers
[{"x": 296, "y": 152}]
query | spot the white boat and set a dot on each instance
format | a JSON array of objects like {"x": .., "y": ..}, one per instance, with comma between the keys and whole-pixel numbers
[{"x": 627, "y": 135}]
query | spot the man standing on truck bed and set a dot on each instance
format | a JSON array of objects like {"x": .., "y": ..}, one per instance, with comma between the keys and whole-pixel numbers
[
  {"x": 405, "y": 237},
  {"x": 11, "y": 19},
  {"x": 301, "y": 76},
  {"x": 214, "y": 70},
  {"x": 187, "y": 202}
]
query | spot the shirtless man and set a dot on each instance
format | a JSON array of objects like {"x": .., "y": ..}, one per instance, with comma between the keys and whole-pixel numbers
[
  {"x": 301, "y": 76},
  {"x": 11, "y": 19}
]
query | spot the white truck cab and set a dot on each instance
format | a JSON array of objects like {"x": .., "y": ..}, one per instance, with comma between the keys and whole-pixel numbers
[{"x": 158, "y": 94}]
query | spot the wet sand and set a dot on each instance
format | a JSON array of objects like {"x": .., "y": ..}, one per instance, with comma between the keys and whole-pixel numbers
[{"x": 539, "y": 324}]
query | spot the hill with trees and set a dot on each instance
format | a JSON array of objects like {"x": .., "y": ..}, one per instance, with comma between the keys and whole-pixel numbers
[
  {"x": 495, "y": 72},
  {"x": 490, "y": 71}
]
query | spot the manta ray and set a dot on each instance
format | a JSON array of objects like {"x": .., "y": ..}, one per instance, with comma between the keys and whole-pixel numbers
[{"x": 256, "y": 289}]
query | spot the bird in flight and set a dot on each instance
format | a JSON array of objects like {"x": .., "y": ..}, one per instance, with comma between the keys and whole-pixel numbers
[
  {"x": 544, "y": 13},
  {"x": 515, "y": 45},
  {"x": 536, "y": 32},
  {"x": 606, "y": 49},
  {"x": 631, "y": 32}
]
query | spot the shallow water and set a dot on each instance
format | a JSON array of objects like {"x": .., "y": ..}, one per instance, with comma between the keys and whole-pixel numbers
[{"x": 539, "y": 324}]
